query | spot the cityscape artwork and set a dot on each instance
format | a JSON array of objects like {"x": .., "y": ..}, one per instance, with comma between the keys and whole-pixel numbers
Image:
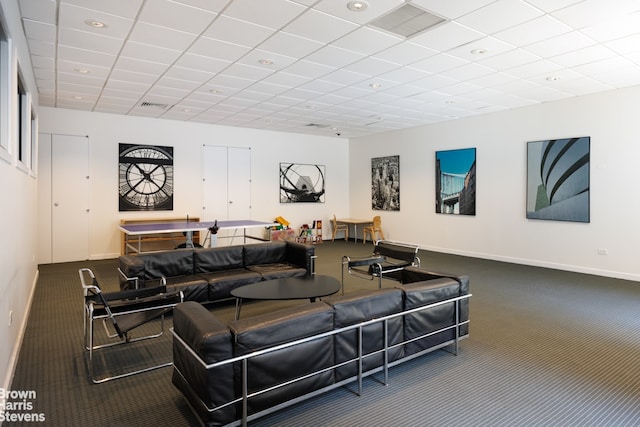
[
  {"x": 456, "y": 181},
  {"x": 385, "y": 183}
]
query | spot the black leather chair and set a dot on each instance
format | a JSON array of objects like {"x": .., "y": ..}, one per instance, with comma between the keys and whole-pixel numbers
[{"x": 122, "y": 312}]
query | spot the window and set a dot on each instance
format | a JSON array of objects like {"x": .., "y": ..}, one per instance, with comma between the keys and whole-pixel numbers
[
  {"x": 23, "y": 126},
  {"x": 33, "y": 166},
  {"x": 5, "y": 94}
]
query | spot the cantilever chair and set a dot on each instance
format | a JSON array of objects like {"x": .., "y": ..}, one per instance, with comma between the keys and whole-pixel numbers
[
  {"x": 339, "y": 227},
  {"x": 388, "y": 259},
  {"x": 122, "y": 312},
  {"x": 374, "y": 229}
]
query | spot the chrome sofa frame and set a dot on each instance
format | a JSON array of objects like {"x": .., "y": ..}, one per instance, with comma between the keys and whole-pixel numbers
[{"x": 359, "y": 359}]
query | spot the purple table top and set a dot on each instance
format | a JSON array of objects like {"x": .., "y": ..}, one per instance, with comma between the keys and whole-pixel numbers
[{"x": 170, "y": 227}]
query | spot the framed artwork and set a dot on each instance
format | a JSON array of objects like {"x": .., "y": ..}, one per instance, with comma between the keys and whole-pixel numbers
[
  {"x": 558, "y": 179},
  {"x": 145, "y": 178},
  {"x": 385, "y": 183},
  {"x": 456, "y": 181},
  {"x": 301, "y": 183}
]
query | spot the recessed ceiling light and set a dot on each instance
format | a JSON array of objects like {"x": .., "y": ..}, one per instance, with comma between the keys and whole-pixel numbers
[
  {"x": 77, "y": 97},
  {"x": 95, "y": 24},
  {"x": 82, "y": 71},
  {"x": 216, "y": 91},
  {"x": 357, "y": 6},
  {"x": 375, "y": 85},
  {"x": 479, "y": 51},
  {"x": 266, "y": 62}
]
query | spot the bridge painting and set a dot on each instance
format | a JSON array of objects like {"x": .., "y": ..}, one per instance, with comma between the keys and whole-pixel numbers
[{"x": 456, "y": 181}]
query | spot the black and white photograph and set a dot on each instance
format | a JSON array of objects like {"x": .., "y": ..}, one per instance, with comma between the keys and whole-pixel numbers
[
  {"x": 145, "y": 178},
  {"x": 385, "y": 183},
  {"x": 301, "y": 183}
]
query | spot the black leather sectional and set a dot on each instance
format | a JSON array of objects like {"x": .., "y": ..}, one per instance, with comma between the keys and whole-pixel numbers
[
  {"x": 210, "y": 274},
  {"x": 426, "y": 312}
]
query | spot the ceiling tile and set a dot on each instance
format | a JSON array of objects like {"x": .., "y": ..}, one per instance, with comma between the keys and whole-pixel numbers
[
  {"x": 218, "y": 49},
  {"x": 236, "y": 31},
  {"x": 150, "y": 53},
  {"x": 582, "y": 56},
  {"x": 176, "y": 16},
  {"x": 367, "y": 41},
  {"x": 500, "y": 15},
  {"x": 510, "y": 59},
  {"x": 85, "y": 56},
  {"x": 593, "y": 12},
  {"x": 447, "y": 36},
  {"x": 439, "y": 63},
  {"x": 291, "y": 45},
  {"x": 560, "y": 44},
  {"x": 39, "y": 10},
  {"x": 39, "y": 30},
  {"x": 538, "y": 29},
  {"x": 374, "y": 10},
  {"x": 371, "y": 66},
  {"x": 451, "y": 9},
  {"x": 319, "y": 26},
  {"x": 89, "y": 41},
  {"x": 273, "y": 14},
  {"x": 75, "y": 18},
  {"x": 334, "y": 57},
  {"x": 160, "y": 36},
  {"x": 125, "y": 8}
]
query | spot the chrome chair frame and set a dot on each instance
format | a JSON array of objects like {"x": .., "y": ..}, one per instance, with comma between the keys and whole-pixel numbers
[
  {"x": 379, "y": 263},
  {"x": 134, "y": 307}
]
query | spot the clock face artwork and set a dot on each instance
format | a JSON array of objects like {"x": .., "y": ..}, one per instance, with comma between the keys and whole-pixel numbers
[{"x": 145, "y": 177}]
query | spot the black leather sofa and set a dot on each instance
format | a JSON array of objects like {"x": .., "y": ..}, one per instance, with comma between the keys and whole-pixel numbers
[
  {"x": 210, "y": 274},
  {"x": 296, "y": 353}
]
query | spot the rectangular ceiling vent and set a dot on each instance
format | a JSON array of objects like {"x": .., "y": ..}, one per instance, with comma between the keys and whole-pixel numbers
[
  {"x": 154, "y": 105},
  {"x": 316, "y": 125},
  {"x": 407, "y": 21}
]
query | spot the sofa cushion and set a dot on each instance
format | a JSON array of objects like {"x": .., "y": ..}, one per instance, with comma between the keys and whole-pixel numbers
[
  {"x": 193, "y": 288},
  {"x": 264, "y": 253},
  {"x": 221, "y": 283},
  {"x": 282, "y": 326},
  {"x": 278, "y": 270},
  {"x": 220, "y": 258},
  {"x": 419, "y": 294},
  {"x": 211, "y": 340},
  {"x": 167, "y": 263},
  {"x": 358, "y": 307}
]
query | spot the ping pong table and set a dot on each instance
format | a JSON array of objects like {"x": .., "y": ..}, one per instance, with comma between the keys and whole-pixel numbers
[{"x": 140, "y": 230}]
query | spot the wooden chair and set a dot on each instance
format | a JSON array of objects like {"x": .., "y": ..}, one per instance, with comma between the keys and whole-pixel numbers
[
  {"x": 373, "y": 230},
  {"x": 339, "y": 227}
]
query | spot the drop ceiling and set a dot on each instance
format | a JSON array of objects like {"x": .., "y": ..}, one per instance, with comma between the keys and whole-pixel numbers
[{"x": 320, "y": 67}]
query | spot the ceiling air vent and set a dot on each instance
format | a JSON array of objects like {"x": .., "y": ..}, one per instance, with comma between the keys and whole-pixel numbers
[
  {"x": 407, "y": 21},
  {"x": 316, "y": 125},
  {"x": 154, "y": 105}
]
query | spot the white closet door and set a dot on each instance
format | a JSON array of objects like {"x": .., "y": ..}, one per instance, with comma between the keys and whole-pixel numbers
[
  {"x": 227, "y": 183},
  {"x": 69, "y": 198},
  {"x": 239, "y": 183}
]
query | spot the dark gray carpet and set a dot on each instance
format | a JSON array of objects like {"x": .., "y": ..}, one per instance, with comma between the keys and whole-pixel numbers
[{"x": 547, "y": 348}]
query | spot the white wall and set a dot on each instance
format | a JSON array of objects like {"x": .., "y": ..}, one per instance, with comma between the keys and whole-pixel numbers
[
  {"x": 500, "y": 230},
  {"x": 18, "y": 223},
  {"x": 268, "y": 149}
]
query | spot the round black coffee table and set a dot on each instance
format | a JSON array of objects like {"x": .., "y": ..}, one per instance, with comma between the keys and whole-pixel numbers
[{"x": 303, "y": 287}]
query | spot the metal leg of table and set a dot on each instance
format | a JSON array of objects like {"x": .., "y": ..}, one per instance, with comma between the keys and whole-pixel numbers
[{"x": 238, "y": 307}]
